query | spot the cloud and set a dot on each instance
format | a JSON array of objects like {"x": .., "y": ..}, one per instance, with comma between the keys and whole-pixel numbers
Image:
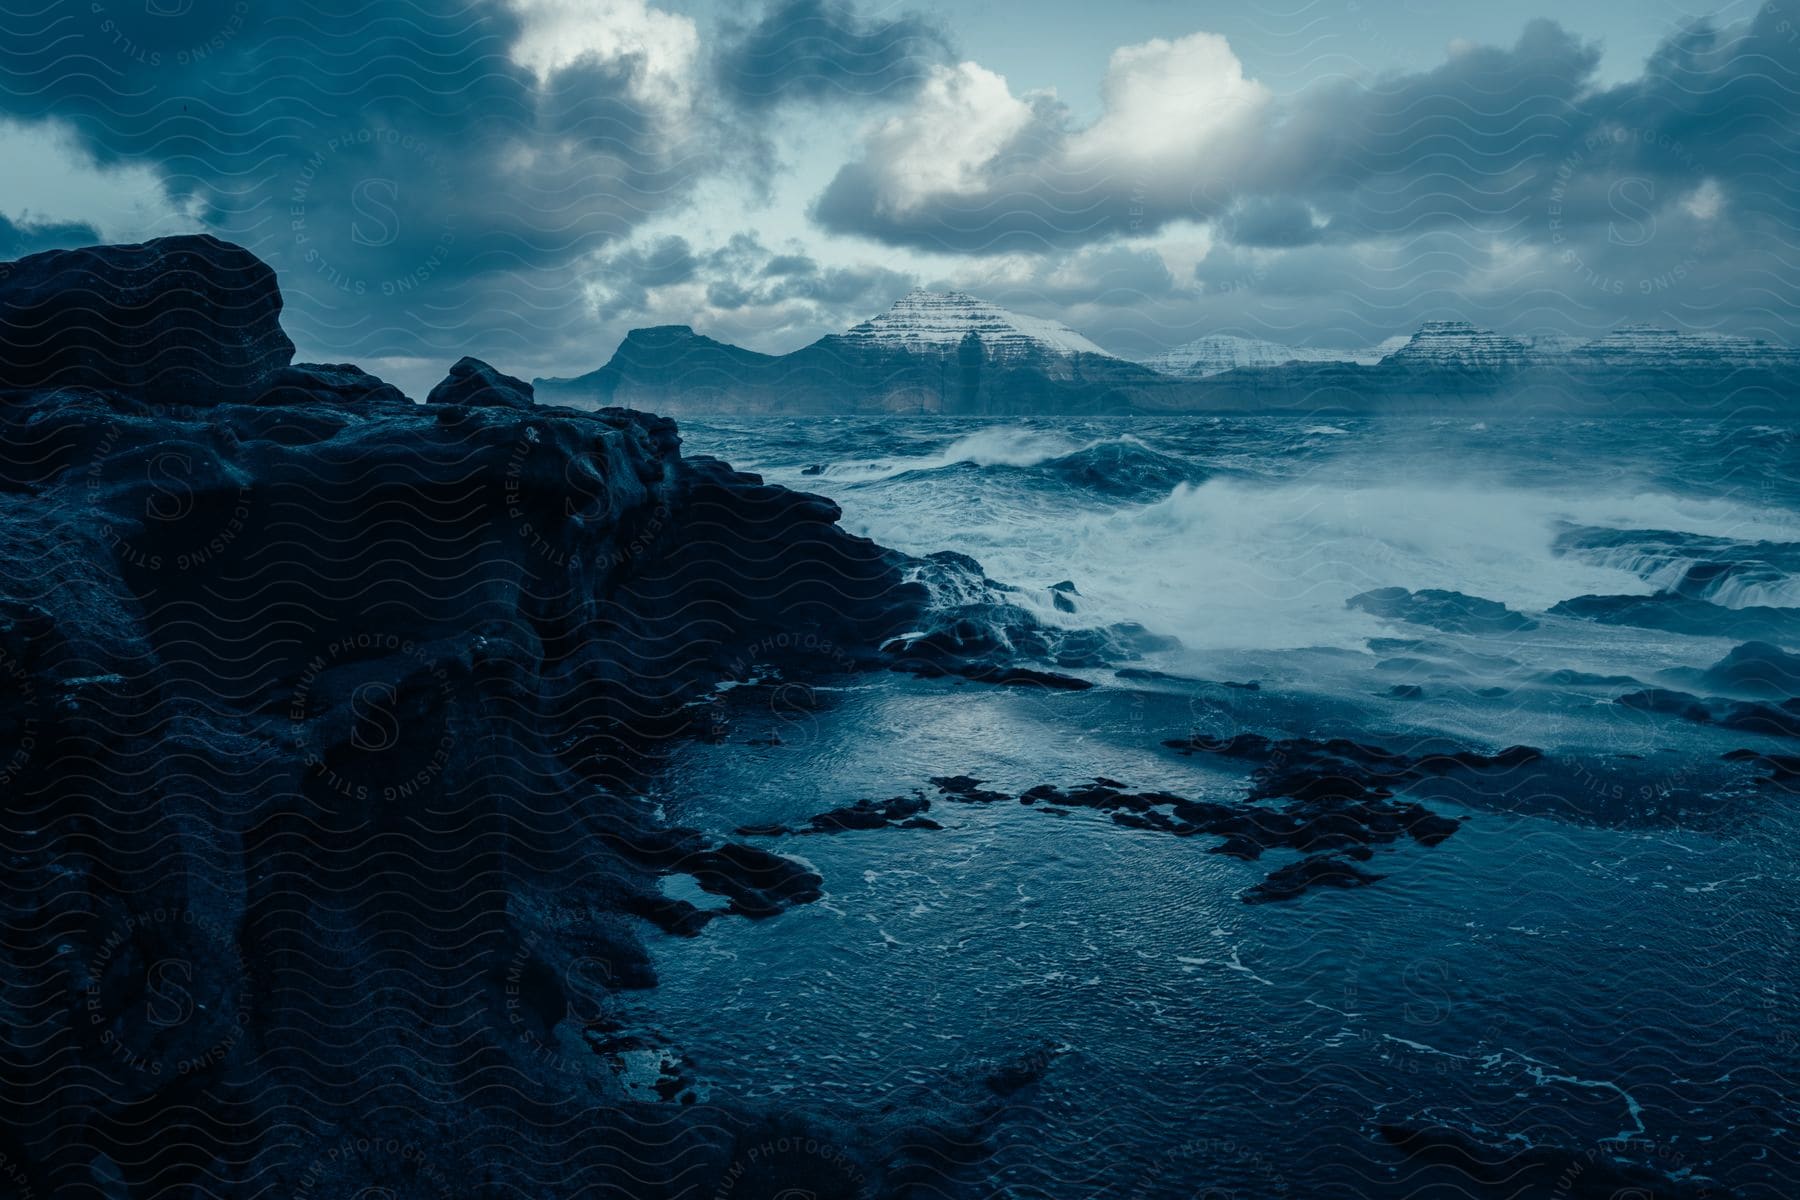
[
  {"x": 1487, "y": 140},
  {"x": 822, "y": 49},
  {"x": 425, "y": 175},
  {"x": 1656, "y": 195},
  {"x": 52, "y": 181},
  {"x": 662, "y": 47},
  {"x": 737, "y": 291},
  {"x": 18, "y": 240},
  {"x": 1174, "y": 108},
  {"x": 972, "y": 168}
]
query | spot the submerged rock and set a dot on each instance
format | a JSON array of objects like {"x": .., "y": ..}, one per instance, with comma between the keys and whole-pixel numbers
[
  {"x": 900, "y": 812},
  {"x": 1319, "y": 870},
  {"x": 1745, "y": 716},
  {"x": 1756, "y": 668},
  {"x": 1674, "y": 613},
  {"x": 1452, "y": 612}
]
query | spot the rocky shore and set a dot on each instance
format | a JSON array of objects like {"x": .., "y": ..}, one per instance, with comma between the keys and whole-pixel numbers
[
  {"x": 325, "y": 720},
  {"x": 334, "y": 730}
]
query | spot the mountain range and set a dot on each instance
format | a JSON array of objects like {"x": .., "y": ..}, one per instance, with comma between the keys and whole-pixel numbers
[{"x": 953, "y": 354}]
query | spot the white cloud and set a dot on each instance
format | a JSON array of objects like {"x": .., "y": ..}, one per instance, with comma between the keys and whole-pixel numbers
[
  {"x": 1185, "y": 102},
  {"x": 962, "y": 118},
  {"x": 664, "y": 47},
  {"x": 1179, "y": 117},
  {"x": 1705, "y": 201},
  {"x": 50, "y": 180}
]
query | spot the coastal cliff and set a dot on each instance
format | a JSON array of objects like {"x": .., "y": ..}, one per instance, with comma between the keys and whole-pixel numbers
[{"x": 327, "y": 719}]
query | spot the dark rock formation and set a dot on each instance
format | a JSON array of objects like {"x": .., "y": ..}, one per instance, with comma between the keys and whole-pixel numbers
[
  {"x": 1784, "y": 769},
  {"x": 1745, "y": 716},
  {"x": 1335, "y": 804},
  {"x": 900, "y": 812},
  {"x": 978, "y": 631},
  {"x": 1318, "y": 870},
  {"x": 1756, "y": 668},
  {"x": 323, "y": 727},
  {"x": 186, "y": 320},
  {"x": 1452, "y": 612},
  {"x": 1674, "y": 613},
  {"x": 473, "y": 382},
  {"x": 328, "y": 383}
]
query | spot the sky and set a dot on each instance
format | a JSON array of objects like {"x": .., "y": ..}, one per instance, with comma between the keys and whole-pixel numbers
[{"x": 526, "y": 180}]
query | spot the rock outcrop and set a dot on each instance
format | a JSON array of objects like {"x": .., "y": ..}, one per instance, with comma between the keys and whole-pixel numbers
[
  {"x": 324, "y": 733},
  {"x": 473, "y": 382},
  {"x": 177, "y": 321}
]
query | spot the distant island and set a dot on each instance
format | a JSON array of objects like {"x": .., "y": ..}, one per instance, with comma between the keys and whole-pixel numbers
[{"x": 952, "y": 354}]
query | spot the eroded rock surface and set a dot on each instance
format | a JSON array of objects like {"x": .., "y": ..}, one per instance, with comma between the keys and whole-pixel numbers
[{"x": 325, "y": 723}]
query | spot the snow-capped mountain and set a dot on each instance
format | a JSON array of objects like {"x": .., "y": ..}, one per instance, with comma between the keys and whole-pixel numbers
[
  {"x": 948, "y": 352},
  {"x": 1219, "y": 353},
  {"x": 1554, "y": 345},
  {"x": 1651, "y": 347},
  {"x": 937, "y": 322},
  {"x": 1459, "y": 345}
]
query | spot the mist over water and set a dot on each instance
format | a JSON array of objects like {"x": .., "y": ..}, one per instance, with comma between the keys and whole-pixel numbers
[{"x": 1251, "y": 534}]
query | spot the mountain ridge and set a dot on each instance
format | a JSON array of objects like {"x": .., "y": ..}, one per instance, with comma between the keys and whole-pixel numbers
[{"x": 951, "y": 353}]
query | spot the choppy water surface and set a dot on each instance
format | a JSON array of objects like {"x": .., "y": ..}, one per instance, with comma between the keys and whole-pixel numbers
[{"x": 1599, "y": 964}]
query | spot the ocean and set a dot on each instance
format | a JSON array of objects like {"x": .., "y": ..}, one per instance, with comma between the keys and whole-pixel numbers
[{"x": 1591, "y": 985}]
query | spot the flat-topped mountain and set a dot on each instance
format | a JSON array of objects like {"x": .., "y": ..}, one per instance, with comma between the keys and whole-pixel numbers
[
  {"x": 1459, "y": 345},
  {"x": 937, "y": 322},
  {"x": 955, "y": 354},
  {"x": 1221, "y": 352},
  {"x": 932, "y": 352},
  {"x": 1646, "y": 345}
]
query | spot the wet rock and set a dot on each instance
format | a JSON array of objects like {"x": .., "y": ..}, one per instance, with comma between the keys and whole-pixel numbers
[
  {"x": 1566, "y": 677},
  {"x": 187, "y": 320},
  {"x": 967, "y": 788},
  {"x": 1673, "y": 613},
  {"x": 678, "y": 917},
  {"x": 1784, "y": 769},
  {"x": 814, "y": 469},
  {"x": 1745, "y": 716},
  {"x": 304, "y": 384},
  {"x": 997, "y": 673},
  {"x": 979, "y": 631},
  {"x": 900, "y": 812},
  {"x": 1756, "y": 668},
  {"x": 474, "y": 384},
  {"x": 757, "y": 883},
  {"x": 1453, "y": 612},
  {"x": 870, "y": 814},
  {"x": 1319, "y": 870},
  {"x": 359, "y": 731}
]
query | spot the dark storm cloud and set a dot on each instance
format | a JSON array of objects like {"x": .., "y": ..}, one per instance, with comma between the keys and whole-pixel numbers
[
  {"x": 740, "y": 274},
  {"x": 627, "y": 276},
  {"x": 807, "y": 49},
  {"x": 416, "y": 188}
]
